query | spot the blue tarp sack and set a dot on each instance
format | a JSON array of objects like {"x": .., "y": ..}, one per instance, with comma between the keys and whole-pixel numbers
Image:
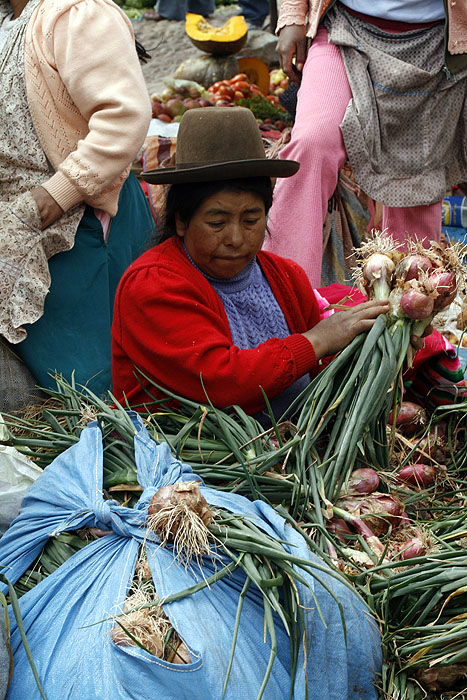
[{"x": 77, "y": 659}]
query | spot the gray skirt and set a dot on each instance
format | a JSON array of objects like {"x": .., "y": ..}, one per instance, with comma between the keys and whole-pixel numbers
[{"x": 405, "y": 127}]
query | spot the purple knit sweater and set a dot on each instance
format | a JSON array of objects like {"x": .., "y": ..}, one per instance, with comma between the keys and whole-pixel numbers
[{"x": 255, "y": 316}]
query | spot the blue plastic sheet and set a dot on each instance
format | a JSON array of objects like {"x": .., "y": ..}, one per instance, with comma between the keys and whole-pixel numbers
[{"x": 77, "y": 660}]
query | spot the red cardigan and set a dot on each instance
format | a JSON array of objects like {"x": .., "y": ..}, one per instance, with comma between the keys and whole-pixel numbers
[{"x": 170, "y": 323}]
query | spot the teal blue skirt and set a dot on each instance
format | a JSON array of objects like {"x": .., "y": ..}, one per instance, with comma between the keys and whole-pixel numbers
[{"x": 73, "y": 336}]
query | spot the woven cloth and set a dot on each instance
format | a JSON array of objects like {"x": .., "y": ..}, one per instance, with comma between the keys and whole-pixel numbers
[
  {"x": 24, "y": 249},
  {"x": 404, "y": 129}
]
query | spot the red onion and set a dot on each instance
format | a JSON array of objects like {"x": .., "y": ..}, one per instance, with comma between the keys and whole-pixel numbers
[
  {"x": 410, "y": 266},
  {"x": 338, "y": 527},
  {"x": 362, "y": 481},
  {"x": 446, "y": 285},
  {"x": 415, "y": 304},
  {"x": 441, "y": 678},
  {"x": 412, "y": 548},
  {"x": 362, "y": 528},
  {"x": 432, "y": 446},
  {"x": 417, "y": 474},
  {"x": 378, "y": 510},
  {"x": 410, "y": 417},
  {"x": 404, "y": 520}
]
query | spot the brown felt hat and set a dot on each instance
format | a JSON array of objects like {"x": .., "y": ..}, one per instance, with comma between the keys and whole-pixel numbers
[{"x": 219, "y": 143}]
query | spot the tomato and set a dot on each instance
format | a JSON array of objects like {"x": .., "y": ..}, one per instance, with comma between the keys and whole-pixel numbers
[
  {"x": 226, "y": 90},
  {"x": 216, "y": 86},
  {"x": 241, "y": 85},
  {"x": 239, "y": 95},
  {"x": 222, "y": 98},
  {"x": 239, "y": 76}
]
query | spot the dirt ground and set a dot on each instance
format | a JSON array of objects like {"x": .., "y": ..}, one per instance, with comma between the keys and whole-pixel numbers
[{"x": 169, "y": 45}]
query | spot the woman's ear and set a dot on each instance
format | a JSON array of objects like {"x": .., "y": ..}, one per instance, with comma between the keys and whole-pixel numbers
[{"x": 180, "y": 227}]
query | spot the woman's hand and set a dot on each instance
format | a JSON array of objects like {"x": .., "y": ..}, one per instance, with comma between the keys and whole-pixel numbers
[
  {"x": 335, "y": 332},
  {"x": 49, "y": 210},
  {"x": 292, "y": 42}
]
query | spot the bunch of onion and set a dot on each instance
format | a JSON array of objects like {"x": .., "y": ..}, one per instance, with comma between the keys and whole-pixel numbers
[
  {"x": 265, "y": 562},
  {"x": 349, "y": 402},
  {"x": 426, "y": 282}
]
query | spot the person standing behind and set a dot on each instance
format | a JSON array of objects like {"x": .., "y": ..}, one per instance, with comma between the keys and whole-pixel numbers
[
  {"x": 75, "y": 111},
  {"x": 254, "y": 12},
  {"x": 384, "y": 89},
  {"x": 177, "y": 9}
]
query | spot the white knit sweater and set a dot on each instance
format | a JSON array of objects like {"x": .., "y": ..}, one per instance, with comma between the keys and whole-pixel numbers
[{"x": 87, "y": 98}]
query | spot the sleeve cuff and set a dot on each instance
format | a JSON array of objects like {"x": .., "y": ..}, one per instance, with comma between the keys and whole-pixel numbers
[
  {"x": 303, "y": 353},
  {"x": 61, "y": 189}
]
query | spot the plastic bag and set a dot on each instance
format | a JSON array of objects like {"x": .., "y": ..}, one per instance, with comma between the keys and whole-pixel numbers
[
  {"x": 76, "y": 658},
  {"x": 17, "y": 473}
]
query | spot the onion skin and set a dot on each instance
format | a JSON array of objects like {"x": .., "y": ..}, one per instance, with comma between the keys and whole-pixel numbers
[
  {"x": 416, "y": 305},
  {"x": 417, "y": 474},
  {"x": 410, "y": 417},
  {"x": 362, "y": 481}
]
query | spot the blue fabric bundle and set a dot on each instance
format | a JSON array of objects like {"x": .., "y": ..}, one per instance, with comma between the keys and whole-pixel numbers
[{"x": 77, "y": 660}]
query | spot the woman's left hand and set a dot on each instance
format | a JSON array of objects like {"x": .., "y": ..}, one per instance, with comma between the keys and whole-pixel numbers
[{"x": 49, "y": 210}]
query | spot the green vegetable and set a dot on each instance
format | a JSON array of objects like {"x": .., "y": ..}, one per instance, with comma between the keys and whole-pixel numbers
[
  {"x": 132, "y": 12},
  {"x": 263, "y": 109}
]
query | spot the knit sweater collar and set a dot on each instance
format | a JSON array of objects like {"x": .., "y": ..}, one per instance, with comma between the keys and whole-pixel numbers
[{"x": 232, "y": 284}]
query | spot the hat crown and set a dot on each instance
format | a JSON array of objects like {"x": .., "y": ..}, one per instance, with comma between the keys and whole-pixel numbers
[{"x": 216, "y": 135}]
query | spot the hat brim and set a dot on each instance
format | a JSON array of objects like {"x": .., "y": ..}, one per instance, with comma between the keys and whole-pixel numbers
[{"x": 260, "y": 167}]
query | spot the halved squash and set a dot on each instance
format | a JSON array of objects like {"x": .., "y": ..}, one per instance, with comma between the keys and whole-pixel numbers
[
  {"x": 228, "y": 39},
  {"x": 257, "y": 72}
]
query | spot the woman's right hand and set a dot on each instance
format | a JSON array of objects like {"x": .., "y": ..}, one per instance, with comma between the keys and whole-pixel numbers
[
  {"x": 49, "y": 210},
  {"x": 292, "y": 42},
  {"x": 335, "y": 332}
]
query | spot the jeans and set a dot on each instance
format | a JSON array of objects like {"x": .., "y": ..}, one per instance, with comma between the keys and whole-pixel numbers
[
  {"x": 254, "y": 11},
  {"x": 177, "y": 9}
]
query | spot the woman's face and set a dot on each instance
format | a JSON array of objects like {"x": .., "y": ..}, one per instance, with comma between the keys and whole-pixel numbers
[{"x": 225, "y": 232}]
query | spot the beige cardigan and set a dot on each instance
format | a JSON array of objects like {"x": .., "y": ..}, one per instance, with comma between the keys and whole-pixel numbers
[
  {"x": 87, "y": 98},
  {"x": 309, "y": 13}
]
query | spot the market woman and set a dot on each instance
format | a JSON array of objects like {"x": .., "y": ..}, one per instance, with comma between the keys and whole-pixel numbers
[
  {"x": 383, "y": 84},
  {"x": 206, "y": 313},
  {"x": 74, "y": 111}
]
